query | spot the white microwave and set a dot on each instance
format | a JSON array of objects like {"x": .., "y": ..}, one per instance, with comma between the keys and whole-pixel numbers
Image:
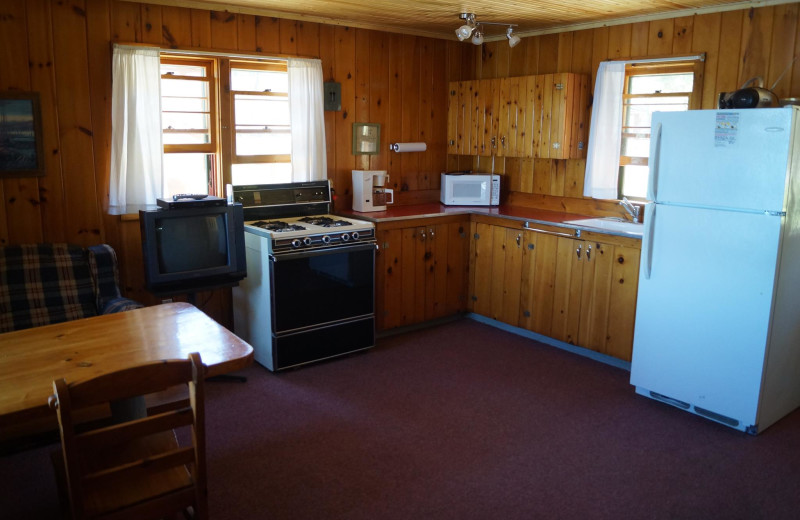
[{"x": 470, "y": 190}]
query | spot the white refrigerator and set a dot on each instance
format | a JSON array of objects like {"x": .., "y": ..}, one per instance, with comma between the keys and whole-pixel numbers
[{"x": 718, "y": 312}]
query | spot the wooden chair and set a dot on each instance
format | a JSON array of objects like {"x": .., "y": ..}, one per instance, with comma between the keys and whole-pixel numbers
[{"x": 134, "y": 468}]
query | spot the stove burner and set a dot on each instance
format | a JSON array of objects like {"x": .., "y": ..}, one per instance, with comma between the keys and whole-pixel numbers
[
  {"x": 325, "y": 221},
  {"x": 278, "y": 226}
]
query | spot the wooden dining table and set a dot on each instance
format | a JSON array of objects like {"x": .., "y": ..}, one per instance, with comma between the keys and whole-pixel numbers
[{"x": 76, "y": 350}]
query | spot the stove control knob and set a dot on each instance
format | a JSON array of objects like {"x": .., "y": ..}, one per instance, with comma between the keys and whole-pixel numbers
[
  {"x": 345, "y": 237},
  {"x": 307, "y": 241},
  {"x": 355, "y": 235},
  {"x": 296, "y": 242},
  {"x": 326, "y": 239}
]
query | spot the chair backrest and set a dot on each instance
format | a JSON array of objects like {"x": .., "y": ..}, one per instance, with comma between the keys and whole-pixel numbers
[
  {"x": 44, "y": 283},
  {"x": 135, "y": 467}
]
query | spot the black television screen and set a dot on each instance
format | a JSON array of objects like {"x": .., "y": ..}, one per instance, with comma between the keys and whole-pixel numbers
[
  {"x": 192, "y": 249},
  {"x": 207, "y": 249}
]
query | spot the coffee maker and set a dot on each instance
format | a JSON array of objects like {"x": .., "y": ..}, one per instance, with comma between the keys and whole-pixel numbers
[{"x": 369, "y": 191}]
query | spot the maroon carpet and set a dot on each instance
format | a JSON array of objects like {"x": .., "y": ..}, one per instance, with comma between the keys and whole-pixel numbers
[{"x": 463, "y": 421}]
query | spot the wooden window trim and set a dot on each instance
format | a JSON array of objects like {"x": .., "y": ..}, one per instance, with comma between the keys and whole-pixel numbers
[
  {"x": 209, "y": 78},
  {"x": 695, "y": 66},
  {"x": 235, "y": 158},
  {"x": 211, "y": 148}
]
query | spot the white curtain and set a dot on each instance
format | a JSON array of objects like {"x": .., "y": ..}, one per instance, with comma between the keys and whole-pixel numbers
[
  {"x": 309, "y": 162},
  {"x": 136, "y": 148},
  {"x": 602, "y": 157}
]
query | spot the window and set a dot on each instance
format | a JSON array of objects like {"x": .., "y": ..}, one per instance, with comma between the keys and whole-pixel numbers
[
  {"x": 201, "y": 149},
  {"x": 189, "y": 125},
  {"x": 262, "y": 141},
  {"x": 651, "y": 87}
]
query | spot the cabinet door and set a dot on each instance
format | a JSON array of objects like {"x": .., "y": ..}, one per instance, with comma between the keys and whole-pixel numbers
[
  {"x": 453, "y": 109},
  {"x": 411, "y": 276},
  {"x": 481, "y": 265},
  {"x": 537, "y": 283},
  {"x": 622, "y": 304},
  {"x": 458, "y": 243},
  {"x": 560, "y": 111},
  {"x": 595, "y": 295},
  {"x": 512, "y": 90},
  {"x": 570, "y": 266},
  {"x": 485, "y": 117},
  {"x": 464, "y": 118},
  {"x": 506, "y": 273},
  {"x": 608, "y": 308},
  {"x": 435, "y": 269},
  {"x": 389, "y": 278}
]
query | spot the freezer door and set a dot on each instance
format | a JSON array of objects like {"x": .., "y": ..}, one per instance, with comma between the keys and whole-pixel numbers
[
  {"x": 703, "y": 309},
  {"x": 716, "y": 158}
]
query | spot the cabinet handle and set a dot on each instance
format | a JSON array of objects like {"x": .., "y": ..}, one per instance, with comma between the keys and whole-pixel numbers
[
  {"x": 519, "y": 240},
  {"x": 431, "y": 233},
  {"x": 422, "y": 236},
  {"x": 503, "y": 140},
  {"x": 494, "y": 142},
  {"x": 578, "y": 251},
  {"x": 588, "y": 253}
]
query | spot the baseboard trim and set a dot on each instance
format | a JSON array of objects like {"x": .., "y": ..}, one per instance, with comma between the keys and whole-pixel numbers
[{"x": 591, "y": 354}]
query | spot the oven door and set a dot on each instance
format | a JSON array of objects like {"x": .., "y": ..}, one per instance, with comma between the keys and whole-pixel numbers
[{"x": 321, "y": 287}]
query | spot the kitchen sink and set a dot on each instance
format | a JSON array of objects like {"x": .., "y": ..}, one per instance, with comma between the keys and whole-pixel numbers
[{"x": 610, "y": 224}]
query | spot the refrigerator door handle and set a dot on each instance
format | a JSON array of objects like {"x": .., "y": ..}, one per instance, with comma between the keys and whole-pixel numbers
[
  {"x": 647, "y": 239},
  {"x": 655, "y": 159}
]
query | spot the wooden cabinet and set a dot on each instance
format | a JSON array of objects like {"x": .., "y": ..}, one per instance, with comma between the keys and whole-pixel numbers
[
  {"x": 544, "y": 116},
  {"x": 578, "y": 290},
  {"x": 495, "y": 269},
  {"x": 421, "y": 269}
]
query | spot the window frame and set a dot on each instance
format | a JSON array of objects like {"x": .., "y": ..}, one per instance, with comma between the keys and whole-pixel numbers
[
  {"x": 210, "y": 78},
  {"x": 211, "y": 149},
  {"x": 221, "y": 147},
  {"x": 651, "y": 66},
  {"x": 267, "y": 66},
  {"x": 227, "y": 113}
]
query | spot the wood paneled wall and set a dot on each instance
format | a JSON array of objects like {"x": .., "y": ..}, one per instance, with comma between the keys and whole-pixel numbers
[
  {"x": 62, "y": 49},
  {"x": 738, "y": 45}
]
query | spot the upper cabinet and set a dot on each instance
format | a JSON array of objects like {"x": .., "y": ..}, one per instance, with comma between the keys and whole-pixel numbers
[{"x": 544, "y": 116}]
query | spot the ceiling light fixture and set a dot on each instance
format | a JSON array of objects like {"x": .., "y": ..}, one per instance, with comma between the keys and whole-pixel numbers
[
  {"x": 477, "y": 36},
  {"x": 465, "y": 30},
  {"x": 474, "y": 29},
  {"x": 513, "y": 39}
]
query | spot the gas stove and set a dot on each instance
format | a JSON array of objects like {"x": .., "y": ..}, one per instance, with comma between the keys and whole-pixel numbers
[
  {"x": 310, "y": 288},
  {"x": 296, "y": 217},
  {"x": 295, "y": 233}
]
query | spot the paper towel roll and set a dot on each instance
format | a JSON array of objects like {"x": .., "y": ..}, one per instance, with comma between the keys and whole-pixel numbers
[{"x": 408, "y": 147}]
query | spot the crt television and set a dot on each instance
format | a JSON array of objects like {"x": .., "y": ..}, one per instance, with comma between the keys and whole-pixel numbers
[{"x": 193, "y": 248}]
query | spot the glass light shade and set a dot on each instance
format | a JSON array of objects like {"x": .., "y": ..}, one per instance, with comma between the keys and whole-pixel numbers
[
  {"x": 513, "y": 40},
  {"x": 477, "y": 37},
  {"x": 463, "y": 32}
]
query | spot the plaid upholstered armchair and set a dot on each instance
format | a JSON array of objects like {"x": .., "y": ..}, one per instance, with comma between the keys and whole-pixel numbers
[{"x": 42, "y": 284}]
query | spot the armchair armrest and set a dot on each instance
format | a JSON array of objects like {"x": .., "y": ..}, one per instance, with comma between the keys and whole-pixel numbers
[
  {"x": 120, "y": 304},
  {"x": 103, "y": 265}
]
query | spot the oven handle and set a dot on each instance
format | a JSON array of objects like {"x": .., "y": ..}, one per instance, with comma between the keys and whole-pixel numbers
[{"x": 363, "y": 246}]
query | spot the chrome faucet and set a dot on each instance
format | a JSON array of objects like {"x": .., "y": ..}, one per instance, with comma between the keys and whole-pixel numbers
[{"x": 632, "y": 209}]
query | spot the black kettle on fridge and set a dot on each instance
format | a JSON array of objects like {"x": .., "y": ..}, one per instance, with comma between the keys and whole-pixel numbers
[{"x": 749, "y": 96}]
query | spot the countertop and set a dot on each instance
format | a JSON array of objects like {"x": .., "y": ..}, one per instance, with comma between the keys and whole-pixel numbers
[{"x": 519, "y": 213}]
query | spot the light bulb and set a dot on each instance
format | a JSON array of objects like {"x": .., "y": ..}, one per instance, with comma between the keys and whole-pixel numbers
[
  {"x": 477, "y": 37},
  {"x": 513, "y": 39},
  {"x": 463, "y": 32}
]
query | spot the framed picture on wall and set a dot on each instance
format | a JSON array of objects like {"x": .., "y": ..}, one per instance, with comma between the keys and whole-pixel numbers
[
  {"x": 366, "y": 138},
  {"x": 21, "y": 149}
]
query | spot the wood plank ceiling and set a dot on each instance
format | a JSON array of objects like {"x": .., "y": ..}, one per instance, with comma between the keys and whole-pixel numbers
[{"x": 440, "y": 18}]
